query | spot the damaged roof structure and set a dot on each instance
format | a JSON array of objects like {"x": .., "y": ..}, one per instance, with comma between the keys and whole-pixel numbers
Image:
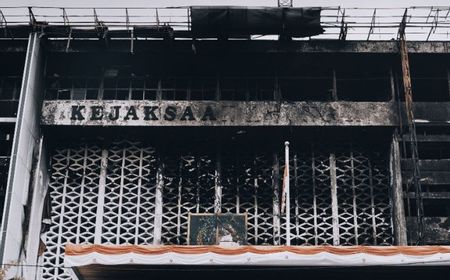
[{"x": 254, "y": 141}]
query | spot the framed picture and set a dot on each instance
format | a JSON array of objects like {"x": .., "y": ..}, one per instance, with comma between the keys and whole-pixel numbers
[{"x": 217, "y": 229}]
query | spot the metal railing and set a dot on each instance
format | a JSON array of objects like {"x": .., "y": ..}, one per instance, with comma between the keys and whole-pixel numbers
[{"x": 422, "y": 23}]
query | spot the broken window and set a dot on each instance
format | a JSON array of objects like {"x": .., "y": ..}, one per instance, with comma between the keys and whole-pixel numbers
[
  {"x": 9, "y": 95},
  {"x": 6, "y": 138},
  {"x": 429, "y": 78},
  {"x": 278, "y": 78},
  {"x": 363, "y": 78},
  {"x": 434, "y": 166},
  {"x": 306, "y": 88}
]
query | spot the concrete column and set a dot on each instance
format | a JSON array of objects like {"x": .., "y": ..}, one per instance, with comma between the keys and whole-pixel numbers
[
  {"x": 334, "y": 200},
  {"x": 23, "y": 159},
  {"x": 38, "y": 194},
  {"x": 398, "y": 218},
  {"x": 276, "y": 200}
]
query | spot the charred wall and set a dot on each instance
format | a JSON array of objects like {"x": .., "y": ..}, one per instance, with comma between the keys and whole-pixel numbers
[{"x": 215, "y": 73}]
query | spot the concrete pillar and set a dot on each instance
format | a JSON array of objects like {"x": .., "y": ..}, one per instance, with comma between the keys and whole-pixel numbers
[
  {"x": 398, "y": 218},
  {"x": 24, "y": 158}
]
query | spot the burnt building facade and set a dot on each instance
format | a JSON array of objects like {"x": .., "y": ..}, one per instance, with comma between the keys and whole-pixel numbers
[{"x": 113, "y": 138}]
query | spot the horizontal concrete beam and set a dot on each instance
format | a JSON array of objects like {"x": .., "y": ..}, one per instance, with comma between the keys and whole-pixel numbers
[
  {"x": 429, "y": 177},
  {"x": 223, "y": 113},
  {"x": 428, "y": 164},
  {"x": 247, "y": 46},
  {"x": 428, "y": 138},
  {"x": 430, "y": 195}
]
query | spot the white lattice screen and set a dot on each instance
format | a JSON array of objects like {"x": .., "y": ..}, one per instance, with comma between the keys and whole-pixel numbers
[{"x": 131, "y": 193}]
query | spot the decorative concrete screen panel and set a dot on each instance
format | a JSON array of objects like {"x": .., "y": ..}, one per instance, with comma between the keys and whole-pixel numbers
[{"x": 134, "y": 192}]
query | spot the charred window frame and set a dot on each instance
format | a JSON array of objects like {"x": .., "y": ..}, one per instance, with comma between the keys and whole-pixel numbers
[
  {"x": 433, "y": 143},
  {"x": 365, "y": 78},
  {"x": 357, "y": 78},
  {"x": 6, "y": 138},
  {"x": 430, "y": 78},
  {"x": 9, "y": 95}
]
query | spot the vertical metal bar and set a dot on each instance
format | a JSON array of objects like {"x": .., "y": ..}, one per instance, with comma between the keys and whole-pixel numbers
[
  {"x": 391, "y": 79},
  {"x": 180, "y": 187},
  {"x": 238, "y": 200},
  {"x": 157, "y": 18},
  {"x": 132, "y": 41},
  {"x": 372, "y": 205},
  {"x": 276, "y": 92},
  {"x": 355, "y": 213},
  {"x": 399, "y": 111},
  {"x": 72, "y": 91},
  {"x": 255, "y": 201},
  {"x": 218, "y": 185},
  {"x": 313, "y": 177},
  {"x": 65, "y": 17},
  {"x": 296, "y": 196},
  {"x": 218, "y": 92},
  {"x": 159, "y": 91},
  {"x": 63, "y": 207},
  {"x": 334, "y": 201},
  {"x": 80, "y": 205},
  {"x": 130, "y": 89},
  {"x": 101, "y": 198},
  {"x": 158, "y": 205},
  {"x": 127, "y": 20},
  {"x": 188, "y": 91},
  {"x": 448, "y": 77},
  {"x": 2, "y": 19},
  {"x": 69, "y": 38},
  {"x": 372, "y": 24},
  {"x": 334, "y": 96},
  {"x": 399, "y": 219},
  {"x": 122, "y": 183},
  {"x": 31, "y": 16},
  {"x": 288, "y": 196},
  {"x": 344, "y": 28},
  {"x": 247, "y": 90},
  {"x": 197, "y": 186},
  {"x": 138, "y": 202},
  {"x": 276, "y": 199},
  {"x": 434, "y": 23},
  {"x": 189, "y": 18}
]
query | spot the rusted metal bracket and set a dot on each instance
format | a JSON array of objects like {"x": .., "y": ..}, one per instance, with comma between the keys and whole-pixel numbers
[
  {"x": 69, "y": 38},
  {"x": 4, "y": 25},
  {"x": 372, "y": 24},
  {"x": 411, "y": 127},
  {"x": 2, "y": 19},
  {"x": 131, "y": 31},
  {"x": 344, "y": 28},
  {"x": 31, "y": 17},
  {"x": 67, "y": 24},
  {"x": 35, "y": 24},
  {"x": 402, "y": 27},
  {"x": 157, "y": 18},
  {"x": 100, "y": 27},
  {"x": 65, "y": 17},
  {"x": 434, "y": 24}
]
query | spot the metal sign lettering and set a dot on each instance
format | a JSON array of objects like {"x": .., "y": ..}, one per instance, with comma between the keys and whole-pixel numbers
[{"x": 217, "y": 113}]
